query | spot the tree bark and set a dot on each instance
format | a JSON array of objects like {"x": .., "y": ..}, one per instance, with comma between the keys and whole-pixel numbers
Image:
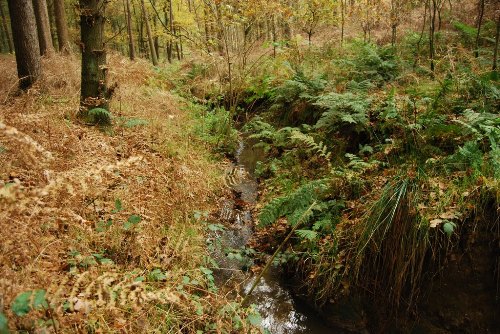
[
  {"x": 6, "y": 29},
  {"x": 94, "y": 91},
  {"x": 43, "y": 27},
  {"x": 62, "y": 26},
  {"x": 25, "y": 41},
  {"x": 152, "y": 50},
  {"x": 131, "y": 48}
]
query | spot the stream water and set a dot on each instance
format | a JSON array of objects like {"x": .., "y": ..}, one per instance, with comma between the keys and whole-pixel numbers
[{"x": 281, "y": 313}]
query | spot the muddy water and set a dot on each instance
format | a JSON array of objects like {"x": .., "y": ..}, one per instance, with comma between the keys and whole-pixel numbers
[{"x": 281, "y": 313}]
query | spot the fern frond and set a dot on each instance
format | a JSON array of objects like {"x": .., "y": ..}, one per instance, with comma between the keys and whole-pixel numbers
[
  {"x": 292, "y": 205},
  {"x": 343, "y": 108},
  {"x": 319, "y": 149}
]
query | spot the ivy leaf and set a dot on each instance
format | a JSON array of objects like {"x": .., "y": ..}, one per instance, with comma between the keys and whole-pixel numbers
[
  {"x": 21, "y": 305},
  {"x": 132, "y": 221},
  {"x": 254, "y": 319},
  {"x": 4, "y": 324},
  {"x": 118, "y": 206},
  {"x": 449, "y": 227},
  {"x": 40, "y": 302},
  {"x": 157, "y": 275}
]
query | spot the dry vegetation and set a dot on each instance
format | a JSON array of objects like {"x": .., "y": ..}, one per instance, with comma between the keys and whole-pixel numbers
[{"x": 62, "y": 228}]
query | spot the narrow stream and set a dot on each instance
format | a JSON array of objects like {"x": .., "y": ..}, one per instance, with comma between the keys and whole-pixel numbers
[{"x": 281, "y": 313}]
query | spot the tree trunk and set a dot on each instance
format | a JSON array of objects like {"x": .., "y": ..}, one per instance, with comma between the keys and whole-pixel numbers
[
  {"x": 6, "y": 29},
  {"x": 342, "y": 22},
  {"x": 152, "y": 50},
  {"x": 417, "y": 53},
  {"x": 172, "y": 31},
  {"x": 131, "y": 49},
  {"x": 25, "y": 41},
  {"x": 169, "y": 41},
  {"x": 62, "y": 26},
  {"x": 432, "y": 29},
  {"x": 207, "y": 29},
  {"x": 43, "y": 27},
  {"x": 94, "y": 68},
  {"x": 52, "y": 21},
  {"x": 495, "y": 52},
  {"x": 479, "y": 25}
]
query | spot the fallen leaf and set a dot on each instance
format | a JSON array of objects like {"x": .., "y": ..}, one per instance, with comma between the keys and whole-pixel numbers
[{"x": 435, "y": 222}]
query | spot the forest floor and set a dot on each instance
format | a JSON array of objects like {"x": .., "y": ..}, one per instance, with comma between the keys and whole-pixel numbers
[{"x": 98, "y": 227}]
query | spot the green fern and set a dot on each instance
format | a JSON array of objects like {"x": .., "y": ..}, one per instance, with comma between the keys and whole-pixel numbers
[
  {"x": 343, "y": 109},
  {"x": 292, "y": 205},
  {"x": 100, "y": 116},
  {"x": 319, "y": 149}
]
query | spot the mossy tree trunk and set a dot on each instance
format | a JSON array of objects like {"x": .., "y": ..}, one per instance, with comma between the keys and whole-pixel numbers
[
  {"x": 25, "y": 41},
  {"x": 94, "y": 93}
]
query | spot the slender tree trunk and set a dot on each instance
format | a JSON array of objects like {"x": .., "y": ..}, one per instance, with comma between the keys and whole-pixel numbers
[
  {"x": 94, "y": 92},
  {"x": 152, "y": 50},
  {"x": 495, "y": 51},
  {"x": 52, "y": 21},
  {"x": 432, "y": 29},
  {"x": 131, "y": 48},
  {"x": 207, "y": 30},
  {"x": 417, "y": 53},
  {"x": 6, "y": 29},
  {"x": 394, "y": 22},
  {"x": 479, "y": 26},
  {"x": 172, "y": 30},
  {"x": 342, "y": 22},
  {"x": 169, "y": 41},
  {"x": 62, "y": 26},
  {"x": 43, "y": 26},
  {"x": 25, "y": 41}
]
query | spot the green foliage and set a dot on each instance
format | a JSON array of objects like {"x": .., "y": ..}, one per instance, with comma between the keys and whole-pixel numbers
[
  {"x": 29, "y": 300},
  {"x": 216, "y": 127},
  {"x": 484, "y": 128},
  {"x": 319, "y": 149},
  {"x": 294, "y": 99},
  {"x": 370, "y": 62},
  {"x": 133, "y": 122},
  {"x": 267, "y": 136},
  {"x": 467, "y": 32},
  {"x": 99, "y": 116},
  {"x": 132, "y": 221},
  {"x": 342, "y": 110},
  {"x": 449, "y": 227},
  {"x": 4, "y": 324},
  {"x": 292, "y": 205}
]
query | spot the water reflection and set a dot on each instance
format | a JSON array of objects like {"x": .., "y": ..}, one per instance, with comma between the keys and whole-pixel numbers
[{"x": 281, "y": 314}]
